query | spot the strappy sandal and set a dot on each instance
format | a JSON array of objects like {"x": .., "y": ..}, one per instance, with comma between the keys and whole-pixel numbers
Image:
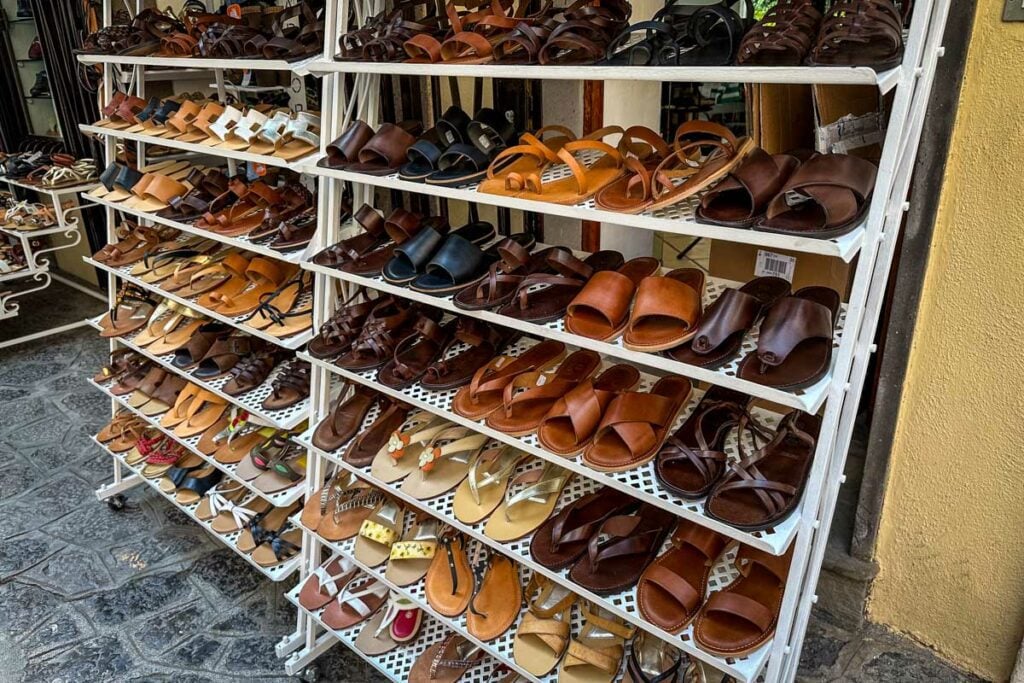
[
  {"x": 290, "y": 386},
  {"x": 326, "y": 581},
  {"x": 584, "y": 36},
  {"x": 415, "y": 353},
  {"x": 286, "y": 311},
  {"x": 483, "y": 343},
  {"x": 411, "y": 557},
  {"x": 447, "y": 661},
  {"x": 763, "y": 488},
  {"x": 490, "y": 472},
  {"x": 595, "y": 655},
  {"x": 384, "y": 328},
  {"x": 360, "y": 598},
  {"x": 563, "y": 277},
  {"x": 444, "y": 462},
  {"x": 528, "y": 502},
  {"x": 860, "y": 33},
  {"x": 342, "y": 485},
  {"x": 353, "y": 248},
  {"x": 782, "y": 37},
  {"x": 741, "y": 617},
  {"x": 542, "y": 636},
  {"x": 682, "y": 35},
  {"x": 337, "y": 335},
  {"x": 484, "y": 394},
  {"x": 652, "y": 660},
  {"x": 671, "y": 590}
]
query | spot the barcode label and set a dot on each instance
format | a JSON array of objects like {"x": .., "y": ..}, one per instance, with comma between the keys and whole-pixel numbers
[{"x": 770, "y": 264}]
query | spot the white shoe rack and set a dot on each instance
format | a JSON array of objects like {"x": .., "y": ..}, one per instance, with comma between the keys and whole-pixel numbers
[{"x": 835, "y": 398}]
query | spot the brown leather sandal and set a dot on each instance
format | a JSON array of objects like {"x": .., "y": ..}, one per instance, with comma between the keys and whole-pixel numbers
[
  {"x": 484, "y": 342},
  {"x": 860, "y": 33},
  {"x": 416, "y": 352},
  {"x": 499, "y": 597},
  {"x": 345, "y": 419},
  {"x": 400, "y": 226},
  {"x": 671, "y": 590},
  {"x": 765, "y": 487},
  {"x": 364, "y": 448},
  {"x": 563, "y": 539},
  {"x": 741, "y": 617},
  {"x": 337, "y": 335},
  {"x": 782, "y": 37},
  {"x": 569, "y": 426},
  {"x": 601, "y": 309},
  {"x": 504, "y": 276},
  {"x": 643, "y": 150},
  {"x": 522, "y": 411},
  {"x": 450, "y": 582},
  {"x": 693, "y": 459},
  {"x": 794, "y": 346},
  {"x": 635, "y": 425},
  {"x": 667, "y": 310},
  {"x": 742, "y": 197},
  {"x": 485, "y": 392},
  {"x": 621, "y": 549},
  {"x": 373, "y": 237},
  {"x": 719, "y": 337},
  {"x": 383, "y": 329},
  {"x": 567, "y": 276}
]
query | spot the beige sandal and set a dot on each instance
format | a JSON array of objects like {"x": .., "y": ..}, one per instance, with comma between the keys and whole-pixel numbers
[
  {"x": 378, "y": 532},
  {"x": 484, "y": 487},
  {"x": 444, "y": 462},
  {"x": 595, "y": 655},
  {"x": 544, "y": 631},
  {"x": 529, "y": 501}
]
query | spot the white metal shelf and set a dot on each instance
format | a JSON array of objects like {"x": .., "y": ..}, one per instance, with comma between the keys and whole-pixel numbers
[
  {"x": 238, "y": 155},
  {"x": 279, "y": 499},
  {"x": 247, "y": 63},
  {"x": 809, "y": 400},
  {"x": 240, "y": 242},
  {"x": 292, "y": 342},
  {"x": 52, "y": 191},
  {"x": 885, "y": 81},
  {"x": 641, "y": 482},
  {"x": 678, "y": 220},
  {"x": 623, "y": 604},
  {"x": 276, "y": 573},
  {"x": 251, "y": 401}
]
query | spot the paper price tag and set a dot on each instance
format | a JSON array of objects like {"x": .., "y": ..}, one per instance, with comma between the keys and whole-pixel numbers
[
  {"x": 235, "y": 11},
  {"x": 770, "y": 264}
]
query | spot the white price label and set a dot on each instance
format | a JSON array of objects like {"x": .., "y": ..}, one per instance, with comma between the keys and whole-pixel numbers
[{"x": 770, "y": 264}]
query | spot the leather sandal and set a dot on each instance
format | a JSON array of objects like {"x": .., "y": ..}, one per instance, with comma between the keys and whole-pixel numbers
[
  {"x": 595, "y": 655},
  {"x": 741, "y": 617},
  {"x": 693, "y": 459},
  {"x": 447, "y": 661},
  {"x": 483, "y": 489},
  {"x": 485, "y": 392},
  {"x": 457, "y": 263},
  {"x": 415, "y": 353},
  {"x": 621, "y": 549},
  {"x": 495, "y": 289},
  {"x": 345, "y": 419},
  {"x": 530, "y": 396},
  {"x": 652, "y": 660},
  {"x": 635, "y": 425},
  {"x": 444, "y": 462},
  {"x": 530, "y": 498},
  {"x": 483, "y": 343},
  {"x": 424, "y": 250},
  {"x": 358, "y": 600},
  {"x": 671, "y": 590},
  {"x": 860, "y": 33},
  {"x": 364, "y": 448},
  {"x": 490, "y": 132},
  {"x": 794, "y": 346},
  {"x": 741, "y": 199},
  {"x": 353, "y": 248},
  {"x": 378, "y": 531},
  {"x": 827, "y": 197},
  {"x": 388, "y": 323},
  {"x": 385, "y": 152},
  {"x": 507, "y": 172},
  {"x": 344, "y": 151},
  {"x": 337, "y": 335},
  {"x": 499, "y": 596},
  {"x": 400, "y": 226},
  {"x": 411, "y": 557},
  {"x": 290, "y": 386},
  {"x": 326, "y": 581},
  {"x": 450, "y": 582},
  {"x": 542, "y": 636},
  {"x": 400, "y": 455},
  {"x": 571, "y": 423},
  {"x": 585, "y": 180},
  {"x": 601, "y": 309},
  {"x": 424, "y": 154},
  {"x": 569, "y": 277},
  {"x": 562, "y": 540},
  {"x": 783, "y": 36},
  {"x": 764, "y": 487},
  {"x": 667, "y": 310}
]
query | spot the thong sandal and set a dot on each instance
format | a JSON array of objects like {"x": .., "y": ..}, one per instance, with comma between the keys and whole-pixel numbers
[
  {"x": 763, "y": 488},
  {"x": 529, "y": 500},
  {"x": 601, "y": 309},
  {"x": 741, "y": 617},
  {"x": 485, "y": 392},
  {"x": 400, "y": 455},
  {"x": 450, "y": 582},
  {"x": 345, "y": 419},
  {"x": 585, "y": 180},
  {"x": 484, "y": 486},
  {"x": 326, "y": 582},
  {"x": 482, "y": 342},
  {"x": 499, "y": 597},
  {"x": 543, "y": 634},
  {"x": 794, "y": 346},
  {"x": 671, "y": 590},
  {"x": 444, "y": 462},
  {"x": 719, "y": 336},
  {"x": 652, "y": 660},
  {"x": 447, "y": 661},
  {"x": 361, "y": 597},
  {"x": 667, "y": 310}
]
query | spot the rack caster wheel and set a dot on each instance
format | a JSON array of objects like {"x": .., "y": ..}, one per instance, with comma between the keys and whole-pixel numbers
[
  {"x": 311, "y": 674},
  {"x": 117, "y": 503}
]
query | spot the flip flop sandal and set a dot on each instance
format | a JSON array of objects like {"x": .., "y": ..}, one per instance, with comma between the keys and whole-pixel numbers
[
  {"x": 176, "y": 331},
  {"x": 425, "y": 152},
  {"x": 827, "y": 197},
  {"x": 506, "y": 174},
  {"x": 585, "y": 180},
  {"x": 378, "y": 532},
  {"x": 636, "y": 424},
  {"x": 398, "y": 623},
  {"x": 652, "y": 660},
  {"x": 443, "y": 463},
  {"x": 343, "y": 484},
  {"x": 542, "y": 636},
  {"x": 131, "y": 312},
  {"x": 485, "y": 392},
  {"x": 345, "y": 517},
  {"x": 412, "y": 556},
  {"x": 595, "y": 655},
  {"x": 263, "y": 526},
  {"x": 223, "y": 278},
  {"x": 326, "y": 582},
  {"x": 601, "y": 309},
  {"x": 181, "y": 277},
  {"x": 164, "y": 397},
  {"x": 345, "y": 419},
  {"x": 241, "y": 442},
  {"x": 238, "y": 516},
  {"x": 450, "y": 582},
  {"x": 194, "y": 487},
  {"x": 483, "y": 342},
  {"x": 341, "y": 330},
  {"x": 489, "y": 132},
  {"x": 693, "y": 459},
  {"x": 352, "y": 248},
  {"x": 499, "y": 597},
  {"x": 290, "y": 386},
  {"x": 766, "y": 486},
  {"x": 413, "y": 256},
  {"x": 671, "y": 590},
  {"x": 529, "y": 500},
  {"x": 742, "y": 198},
  {"x": 447, "y": 661},
  {"x": 284, "y": 473},
  {"x": 484, "y": 486},
  {"x": 719, "y": 336},
  {"x": 543, "y": 296},
  {"x": 531, "y": 395},
  {"x": 741, "y": 617},
  {"x": 667, "y": 310},
  {"x": 179, "y": 411},
  {"x": 278, "y": 548},
  {"x": 860, "y": 33},
  {"x": 118, "y": 364},
  {"x": 571, "y": 423},
  {"x": 364, "y": 448},
  {"x": 204, "y": 410},
  {"x": 783, "y": 36},
  {"x": 400, "y": 455},
  {"x": 626, "y": 545},
  {"x": 415, "y": 353},
  {"x": 265, "y": 275},
  {"x": 794, "y": 344}
]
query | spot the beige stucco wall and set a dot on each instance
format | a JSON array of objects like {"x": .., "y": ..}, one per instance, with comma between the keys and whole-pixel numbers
[{"x": 951, "y": 548}]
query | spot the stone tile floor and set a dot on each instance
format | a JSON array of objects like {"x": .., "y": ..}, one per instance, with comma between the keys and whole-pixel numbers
[{"x": 88, "y": 594}]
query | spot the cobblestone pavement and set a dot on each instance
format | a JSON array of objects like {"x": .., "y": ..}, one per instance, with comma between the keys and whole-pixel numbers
[{"x": 88, "y": 594}]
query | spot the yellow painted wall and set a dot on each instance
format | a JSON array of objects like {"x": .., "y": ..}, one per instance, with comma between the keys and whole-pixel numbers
[{"x": 951, "y": 547}]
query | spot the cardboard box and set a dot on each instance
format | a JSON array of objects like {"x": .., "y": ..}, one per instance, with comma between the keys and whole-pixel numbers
[
  {"x": 781, "y": 116},
  {"x": 739, "y": 262}
]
